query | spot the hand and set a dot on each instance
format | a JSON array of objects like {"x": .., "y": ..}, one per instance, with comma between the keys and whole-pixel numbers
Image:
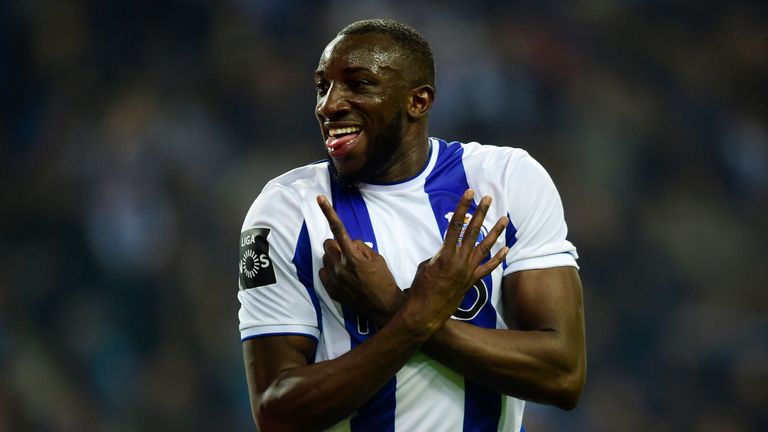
[
  {"x": 441, "y": 282},
  {"x": 355, "y": 275}
]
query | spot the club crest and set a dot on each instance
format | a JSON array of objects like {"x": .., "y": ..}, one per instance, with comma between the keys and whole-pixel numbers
[{"x": 467, "y": 219}]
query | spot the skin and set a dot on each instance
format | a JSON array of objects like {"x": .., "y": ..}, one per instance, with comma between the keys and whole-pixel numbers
[
  {"x": 281, "y": 377},
  {"x": 361, "y": 81}
]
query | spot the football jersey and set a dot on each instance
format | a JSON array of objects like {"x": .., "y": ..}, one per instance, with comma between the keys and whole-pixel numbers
[{"x": 281, "y": 251}]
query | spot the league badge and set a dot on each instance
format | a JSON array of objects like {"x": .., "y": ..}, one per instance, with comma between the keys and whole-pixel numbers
[{"x": 256, "y": 267}]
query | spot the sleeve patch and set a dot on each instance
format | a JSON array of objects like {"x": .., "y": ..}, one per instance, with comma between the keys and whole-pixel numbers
[{"x": 256, "y": 267}]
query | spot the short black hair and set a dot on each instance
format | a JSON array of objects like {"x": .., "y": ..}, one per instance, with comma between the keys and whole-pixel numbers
[{"x": 412, "y": 42}]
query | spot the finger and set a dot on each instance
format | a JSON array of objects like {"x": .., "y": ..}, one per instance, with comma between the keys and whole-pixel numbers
[
  {"x": 328, "y": 281},
  {"x": 331, "y": 244},
  {"x": 457, "y": 220},
  {"x": 364, "y": 249},
  {"x": 482, "y": 250},
  {"x": 331, "y": 247},
  {"x": 324, "y": 278},
  {"x": 474, "y": 226},
  {"x": 491, "y": 264},
  {"x": 332, "y": 253},
  {"x": 337, "y": 226},
  {"x": 331, "y": 258}
]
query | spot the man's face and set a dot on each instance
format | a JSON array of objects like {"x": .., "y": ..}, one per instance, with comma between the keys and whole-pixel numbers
[{"x": 361, "y": 97}]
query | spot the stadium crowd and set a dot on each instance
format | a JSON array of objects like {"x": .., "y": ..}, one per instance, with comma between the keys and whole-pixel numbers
[{"x": 134, "y": 136}]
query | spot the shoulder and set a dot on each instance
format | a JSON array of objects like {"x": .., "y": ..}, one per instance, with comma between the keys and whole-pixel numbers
[
  {"x": 508, "y": 157},
  {"x": 297, "y": 183},
  {"x": 491, "y": 161},
  {"x": 282, "y": 197},
  {"x": 297, "y": 180},
  {"x": 475, "y": 152}
]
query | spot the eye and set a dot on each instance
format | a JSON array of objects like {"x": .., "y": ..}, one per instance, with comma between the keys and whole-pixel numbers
[
  {"x": 360, "y": 84},
  {"x": 322, "y": 87}
]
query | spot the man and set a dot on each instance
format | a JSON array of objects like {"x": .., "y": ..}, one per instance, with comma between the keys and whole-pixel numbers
[{"x": 384, "y": 289}]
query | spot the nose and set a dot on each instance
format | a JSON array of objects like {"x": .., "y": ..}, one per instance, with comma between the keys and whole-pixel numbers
[{"x": 333, "y": 103}]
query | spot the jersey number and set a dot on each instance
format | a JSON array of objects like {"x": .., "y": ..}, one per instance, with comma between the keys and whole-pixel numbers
[
  {"x": 481, "y": 298},
  {"x": 365, "y": 327}
]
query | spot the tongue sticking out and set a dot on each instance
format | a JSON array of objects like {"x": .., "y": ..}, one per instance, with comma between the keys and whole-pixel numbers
[{"x": 338, "y": 147}]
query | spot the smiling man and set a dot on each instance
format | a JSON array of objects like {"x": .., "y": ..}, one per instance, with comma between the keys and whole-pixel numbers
[
  {"x": 368, "y": 135},
  {"x": 407, "y": 283}
]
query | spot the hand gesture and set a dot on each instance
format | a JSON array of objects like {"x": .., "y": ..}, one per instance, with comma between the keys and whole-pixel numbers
[
  {"x": 356, "y": 275},
  {"x": 441, "y": 282}
]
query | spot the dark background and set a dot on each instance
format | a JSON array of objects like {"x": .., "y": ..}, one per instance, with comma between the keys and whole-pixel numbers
[{"x": 134, "y": 135}]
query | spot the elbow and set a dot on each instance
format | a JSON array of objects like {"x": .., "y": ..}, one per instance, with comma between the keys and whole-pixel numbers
[
  {"x": 567, "y": 398},
  {"x": 266, "y": 421},
  {"x": 270, "y": 417},
  {"x": 568, "y": 386}
]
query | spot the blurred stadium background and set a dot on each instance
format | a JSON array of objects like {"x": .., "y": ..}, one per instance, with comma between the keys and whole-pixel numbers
[{"x": 135, "y": 134}]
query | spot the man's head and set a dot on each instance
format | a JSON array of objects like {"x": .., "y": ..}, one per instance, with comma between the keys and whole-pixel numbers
[
  {"x": 410, "y": 41},
  {"x": 375, "y": 86}
]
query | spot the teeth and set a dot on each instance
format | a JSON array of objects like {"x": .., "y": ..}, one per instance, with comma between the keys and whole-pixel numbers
[{"x": 343, "y": 131}]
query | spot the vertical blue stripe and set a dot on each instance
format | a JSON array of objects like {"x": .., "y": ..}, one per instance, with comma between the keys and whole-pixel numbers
[
  {"x": 378, "y": 414},
  {"x": 444, "y": 187},
  {"x": 482, "y": 408},
  {"x": 302, "y": 259},
  {"x": 510, "y": 237}
]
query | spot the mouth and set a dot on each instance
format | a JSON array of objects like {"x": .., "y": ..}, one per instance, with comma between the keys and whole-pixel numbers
[{"x": 342, "y": 140}]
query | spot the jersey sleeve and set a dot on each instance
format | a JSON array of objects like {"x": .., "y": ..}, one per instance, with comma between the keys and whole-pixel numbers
[
  {"x": 273, "y": 299},
  {"x": 536, "y": 234}
]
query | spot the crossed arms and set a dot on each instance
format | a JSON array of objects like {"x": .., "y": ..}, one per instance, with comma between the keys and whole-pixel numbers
[{"x": 540, "y": 358}]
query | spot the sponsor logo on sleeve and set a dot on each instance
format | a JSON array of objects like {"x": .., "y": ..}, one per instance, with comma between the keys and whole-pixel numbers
[{"x": 256, "y": 267}]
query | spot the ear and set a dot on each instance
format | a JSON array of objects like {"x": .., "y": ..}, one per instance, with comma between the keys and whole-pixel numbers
[{"x": 420, "y": 101}]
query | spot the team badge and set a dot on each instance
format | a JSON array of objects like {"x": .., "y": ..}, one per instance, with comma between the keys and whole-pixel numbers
[
  {"x": 467, "y": 219},
  {"x": 256, "y": 267}
]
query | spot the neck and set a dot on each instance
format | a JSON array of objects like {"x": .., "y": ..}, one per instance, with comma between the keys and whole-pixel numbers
[{"x": 408, "y": 161}]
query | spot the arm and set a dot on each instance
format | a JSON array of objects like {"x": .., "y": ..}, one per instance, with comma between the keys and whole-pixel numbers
[
  {"x": 282, "y": 380},
  {"x": 542, "y": 358}
]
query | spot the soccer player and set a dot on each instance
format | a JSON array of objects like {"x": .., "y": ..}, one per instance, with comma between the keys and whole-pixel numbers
[{"x": 407, "y": 283}]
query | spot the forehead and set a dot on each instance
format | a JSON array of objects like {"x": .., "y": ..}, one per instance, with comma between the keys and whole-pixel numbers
[{"x": 374, "y": 51}]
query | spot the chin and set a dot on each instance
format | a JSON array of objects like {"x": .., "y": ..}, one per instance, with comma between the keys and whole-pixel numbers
[{"x": 348, "y": 177}]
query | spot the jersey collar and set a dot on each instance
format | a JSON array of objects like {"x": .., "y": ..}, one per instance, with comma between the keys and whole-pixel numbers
[{"x": 415, "y": 181}]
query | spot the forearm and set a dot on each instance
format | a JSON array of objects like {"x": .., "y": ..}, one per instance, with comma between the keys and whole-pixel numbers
[
  {"x": 540, "y": 366},
  {"x": 319, "y": 395}
]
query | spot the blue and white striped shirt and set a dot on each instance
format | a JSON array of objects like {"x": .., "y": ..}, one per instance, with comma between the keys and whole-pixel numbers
[{"x": 281, "y": 253}]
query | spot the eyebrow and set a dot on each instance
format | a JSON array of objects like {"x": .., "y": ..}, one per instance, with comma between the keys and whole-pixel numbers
[{"x": 354, "y": 69}]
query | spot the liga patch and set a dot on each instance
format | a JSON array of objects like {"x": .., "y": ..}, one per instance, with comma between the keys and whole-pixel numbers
[{"x": 256, "y": 267}]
